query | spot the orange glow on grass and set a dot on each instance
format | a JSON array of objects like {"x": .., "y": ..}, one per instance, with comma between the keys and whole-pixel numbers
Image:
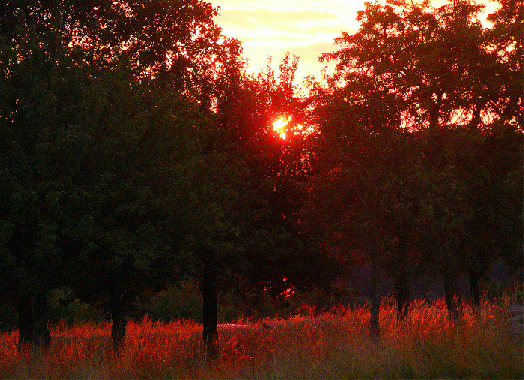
[{"x": 159, "y": 350}]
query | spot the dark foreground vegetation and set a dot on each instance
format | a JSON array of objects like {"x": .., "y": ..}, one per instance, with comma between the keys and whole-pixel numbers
[{"x": 136, "y": 154}]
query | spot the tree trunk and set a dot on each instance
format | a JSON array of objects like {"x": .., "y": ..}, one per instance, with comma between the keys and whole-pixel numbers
[
  {"x": 434, "y": 110},
  {"x": 476, "y": 119},
  {"x": 118, "y": 327},
  {"x": 474, "y": 287},
  {"x": 403, "y": 294},
  {"x": 25, "y": 320},
  {"x": 32, "y": 321},
  {"x": 374, "y": 328},
  {"x": 210, "y": 309},
  {"x": 453, "y": 302},
  {"x": 42, "y": 336}
]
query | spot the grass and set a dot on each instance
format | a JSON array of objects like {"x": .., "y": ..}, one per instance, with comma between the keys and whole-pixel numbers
[{"x": 331, "y": 345}]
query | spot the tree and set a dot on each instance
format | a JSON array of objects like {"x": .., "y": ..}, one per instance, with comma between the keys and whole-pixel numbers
[
  {"x": 427, "y": 71},
  {"x": 506, "y": 40},
  {"x": 124, "y": 210},
  {"x": 32, "y": 92},
  {"x": 90, "y": 175},
  {"x": 246, "y": 192},
  {"x": 366, "y": 195},
  {"x": 433, "y": 62},
  {"x": 95, "y": 178}
]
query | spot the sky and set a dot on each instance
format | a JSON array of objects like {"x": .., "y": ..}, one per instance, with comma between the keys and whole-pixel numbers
[{"x": 305, "y": 28}]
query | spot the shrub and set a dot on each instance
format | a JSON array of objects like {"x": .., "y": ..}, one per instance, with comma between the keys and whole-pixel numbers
[
  {"x": 179, "y": 302},
  {"x": 64, "y": 307}
]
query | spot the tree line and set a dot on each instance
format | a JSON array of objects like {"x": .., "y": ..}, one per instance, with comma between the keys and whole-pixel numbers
[{"x": 136, "y": 152}]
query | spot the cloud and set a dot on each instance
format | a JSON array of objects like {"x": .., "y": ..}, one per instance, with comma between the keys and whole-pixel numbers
[
  {"x": 258, "y": 52},
  {"x": 282, "y": 26},
  {"x": 311, "y": 52},
  {"x": 280, "y": 38},
  {"x": 273, "y": 27},
  {"x": 335, "y": 5},
  {"x": 270, "y": 18}
]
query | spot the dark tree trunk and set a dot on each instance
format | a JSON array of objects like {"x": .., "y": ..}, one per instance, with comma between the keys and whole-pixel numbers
[
  {"x": 25, "y": 320},
  {"x": 453, "y": 301},
  {"x": 118, "y": 327},
  {"x": 210, "y": 309},
  {"x": 374, "y": 328},
  {"x": 32, "y": 321},
  {"x": 434, "y": 111},
  {"x": 476, "y": 119},
  {"x": 474, "y": 287},
  {"x": 403, "y": 295},
  {"x": 42, "y": 336}
]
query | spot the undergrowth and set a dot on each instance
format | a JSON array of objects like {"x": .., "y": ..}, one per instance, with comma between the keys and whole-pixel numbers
[{"x": 330, "y": 345}]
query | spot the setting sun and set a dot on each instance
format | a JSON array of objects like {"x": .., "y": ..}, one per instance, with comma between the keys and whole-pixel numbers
[
  {"x": 285, "y": 129},
  {"x": 280, "y": 126}
]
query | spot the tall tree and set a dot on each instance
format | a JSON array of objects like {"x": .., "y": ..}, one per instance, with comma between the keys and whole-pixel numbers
[
  {"x": 249, "y": 198},
  {"x": 366, "y": 195},
  {"x": 414, "y": 68},
  {"x": 34, "y": 110},
  {"x": 98, "y": 118},
  {"x": 125, "y": 214}
]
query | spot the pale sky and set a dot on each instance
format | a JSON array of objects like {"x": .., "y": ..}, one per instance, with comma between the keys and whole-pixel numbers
[
  {"x": 302, "y": 27},
  {"x": 273, "y": 27}
]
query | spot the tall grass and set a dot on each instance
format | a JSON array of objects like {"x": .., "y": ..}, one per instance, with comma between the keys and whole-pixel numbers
[{"x": 331, "y": 345}]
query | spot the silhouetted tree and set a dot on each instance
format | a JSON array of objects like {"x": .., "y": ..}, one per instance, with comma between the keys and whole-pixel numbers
[{"x": 422, "y": 74}]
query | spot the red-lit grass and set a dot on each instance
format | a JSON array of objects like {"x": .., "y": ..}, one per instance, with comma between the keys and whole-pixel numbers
[{"x": 331, "y": 345}]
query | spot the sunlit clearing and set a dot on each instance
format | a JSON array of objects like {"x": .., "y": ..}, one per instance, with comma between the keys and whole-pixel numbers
[{"x": 279, "y": 126}]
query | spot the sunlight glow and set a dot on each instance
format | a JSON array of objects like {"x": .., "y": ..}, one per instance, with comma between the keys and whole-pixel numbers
[
  {"x": 285, "y": 129},
  {"x": 279, "y": 126}
]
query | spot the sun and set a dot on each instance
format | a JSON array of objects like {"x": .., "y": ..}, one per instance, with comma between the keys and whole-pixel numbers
[
  {"x": 285, "y": 129},
  {"x": 280, "y": 126}
]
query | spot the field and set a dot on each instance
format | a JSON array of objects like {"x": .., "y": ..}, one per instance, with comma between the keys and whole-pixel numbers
[{"x": 329, "y": 345}]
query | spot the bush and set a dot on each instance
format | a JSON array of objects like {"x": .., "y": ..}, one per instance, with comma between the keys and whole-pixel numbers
[
  {"x": 64, "y": 307},
  {"x": 179, "y": 302}
]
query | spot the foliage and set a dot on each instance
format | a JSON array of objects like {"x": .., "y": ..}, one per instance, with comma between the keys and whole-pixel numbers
[
  {"x": 64, "y": 308},
  {"x": 100, "y": 130},
  {"x": 182, "y": 302},
  {"x": 432, "y": 66},
  {"x": 404, "y": 175}
]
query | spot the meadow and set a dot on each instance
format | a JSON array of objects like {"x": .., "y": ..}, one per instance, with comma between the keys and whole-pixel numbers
[{"x": 328, "y": 345}]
